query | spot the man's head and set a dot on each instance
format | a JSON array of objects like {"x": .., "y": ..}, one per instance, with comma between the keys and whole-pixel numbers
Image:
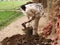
[{"x": 23, "y": 6}]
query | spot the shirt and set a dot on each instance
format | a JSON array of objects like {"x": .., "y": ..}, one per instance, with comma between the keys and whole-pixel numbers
[{"x": 35, "y": 7}]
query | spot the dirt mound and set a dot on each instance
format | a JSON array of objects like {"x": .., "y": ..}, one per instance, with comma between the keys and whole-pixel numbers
[{"x": 25, "y": 40}]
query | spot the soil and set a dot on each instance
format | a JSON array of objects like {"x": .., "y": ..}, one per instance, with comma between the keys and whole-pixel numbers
[{"x": 26, "y": 40}]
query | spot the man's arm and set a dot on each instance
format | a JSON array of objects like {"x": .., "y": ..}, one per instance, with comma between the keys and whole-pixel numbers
[
  {"x": 30, "y": 19},
  {"x": 23, "y": 24}
]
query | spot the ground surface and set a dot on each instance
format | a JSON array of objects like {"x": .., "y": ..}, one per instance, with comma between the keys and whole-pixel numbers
[{"x": 12, "y": 29}]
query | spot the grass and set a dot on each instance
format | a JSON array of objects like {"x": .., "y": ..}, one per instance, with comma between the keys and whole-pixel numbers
[
  {"x": 10, "y": 5},
  {"x": 6, "y": 17},
  {"x": 6, "y": 5}
]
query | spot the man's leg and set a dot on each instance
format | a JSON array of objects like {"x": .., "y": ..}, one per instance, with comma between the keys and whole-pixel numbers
[{"x": 36, "y": 23}]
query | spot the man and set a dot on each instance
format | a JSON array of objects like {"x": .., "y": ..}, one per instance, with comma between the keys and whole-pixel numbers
[{"x": 35, "y": 11}]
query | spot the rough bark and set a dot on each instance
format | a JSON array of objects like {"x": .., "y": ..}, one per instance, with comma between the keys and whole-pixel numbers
[{"x": 44, "y": 2}]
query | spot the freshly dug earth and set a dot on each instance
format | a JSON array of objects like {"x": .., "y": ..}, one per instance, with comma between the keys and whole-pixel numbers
[{"x": 26, "y": 40}]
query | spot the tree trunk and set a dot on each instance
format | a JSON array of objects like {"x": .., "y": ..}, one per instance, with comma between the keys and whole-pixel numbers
[{"x": 44, "y": 2}]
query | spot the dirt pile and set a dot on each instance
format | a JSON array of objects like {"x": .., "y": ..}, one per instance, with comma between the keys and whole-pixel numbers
[{"x": 25, "y": 40}]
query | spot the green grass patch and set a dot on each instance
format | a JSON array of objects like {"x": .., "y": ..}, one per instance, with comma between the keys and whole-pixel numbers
[
  {"x": 6, "y": 5},
  {"x": 6, "y": 17},
  {"x": 10, "y": 5}
]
